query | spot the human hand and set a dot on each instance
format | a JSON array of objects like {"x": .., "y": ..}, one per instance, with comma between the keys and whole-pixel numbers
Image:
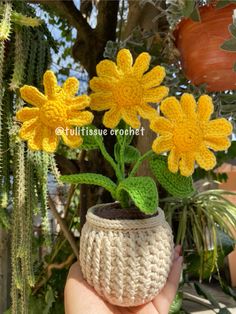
[{"x": 80, "y": 298}]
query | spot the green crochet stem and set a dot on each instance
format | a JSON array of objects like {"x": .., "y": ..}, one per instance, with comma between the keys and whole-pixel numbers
[
  {"x": 111, "y": 161},
  {"x": 122, "y": 153},
  {"x": 145, "y": 156}
]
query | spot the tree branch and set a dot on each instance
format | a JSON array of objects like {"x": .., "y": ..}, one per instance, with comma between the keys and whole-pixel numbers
[
  {"x": 63, "y": 227},
  {"x": 68, "y": 10}
]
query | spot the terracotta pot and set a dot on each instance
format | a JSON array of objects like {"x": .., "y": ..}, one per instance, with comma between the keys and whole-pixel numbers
[
  {"x": 127, "y": 261},
  {"x": 202, "y": 59}
]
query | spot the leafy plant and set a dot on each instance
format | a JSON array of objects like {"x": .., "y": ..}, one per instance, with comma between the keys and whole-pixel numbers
[{"x": 206, "y": 222}]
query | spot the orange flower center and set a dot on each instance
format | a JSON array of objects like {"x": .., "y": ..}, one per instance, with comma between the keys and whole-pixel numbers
[
  {"x": 187, "y": 136},
  {"x": 53, "y": 113},
  {"x": 128, "y": 92}
]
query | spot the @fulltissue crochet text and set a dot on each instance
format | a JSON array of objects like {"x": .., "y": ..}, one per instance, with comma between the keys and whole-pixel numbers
[{"x": 84, "y": 131}]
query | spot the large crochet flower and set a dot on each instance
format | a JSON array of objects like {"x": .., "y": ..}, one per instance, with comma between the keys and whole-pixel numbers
[
  {"x": 187, "y": 132},
  {"x": 53, "y": 114},
  {"x": 125, "y": 91}
]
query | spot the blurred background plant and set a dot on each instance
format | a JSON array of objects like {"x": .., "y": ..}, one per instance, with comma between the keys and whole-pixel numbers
[{"x": 40, "y": 218}]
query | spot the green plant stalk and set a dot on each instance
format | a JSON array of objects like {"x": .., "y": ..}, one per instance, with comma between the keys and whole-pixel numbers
[
  {"x": 111, "y": 161},
  {"x": 145, "y": 156},
  {"x": 122, "y": 152}
]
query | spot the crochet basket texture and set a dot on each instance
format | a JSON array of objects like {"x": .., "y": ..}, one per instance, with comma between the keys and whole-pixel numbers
[{"x": 126, "y": 261}]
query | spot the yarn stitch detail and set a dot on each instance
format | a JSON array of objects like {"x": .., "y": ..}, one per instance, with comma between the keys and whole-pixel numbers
[{"x": 140, "y": 251}]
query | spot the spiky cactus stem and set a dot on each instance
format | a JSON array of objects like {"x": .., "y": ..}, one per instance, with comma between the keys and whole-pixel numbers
[
  {"x": 21, "y": 53},
  {"x": 5, "y": 24}
]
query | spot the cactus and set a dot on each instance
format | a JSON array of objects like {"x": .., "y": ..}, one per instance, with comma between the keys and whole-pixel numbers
[{"x": 5, "y": 24}]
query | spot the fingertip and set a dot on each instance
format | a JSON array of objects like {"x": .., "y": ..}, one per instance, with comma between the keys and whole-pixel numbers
[{"x": 177, "y": 252}]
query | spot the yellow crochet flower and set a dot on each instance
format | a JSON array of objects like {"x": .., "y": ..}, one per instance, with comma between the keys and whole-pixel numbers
[
  {"x": 125, "y": 90},
  {"x": 53, "y": 114},
  {"x": 187, "y": 132}
]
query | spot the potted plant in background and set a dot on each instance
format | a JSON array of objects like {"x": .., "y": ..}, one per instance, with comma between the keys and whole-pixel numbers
[
  {"x": 130, "y": 236},
  {"x": 199, "y": 42}
]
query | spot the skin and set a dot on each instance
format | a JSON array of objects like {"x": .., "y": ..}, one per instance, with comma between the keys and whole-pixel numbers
[{"x": 80, "y": 298}]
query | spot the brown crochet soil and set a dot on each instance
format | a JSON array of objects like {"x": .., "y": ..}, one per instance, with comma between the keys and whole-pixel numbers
[{"x": 114, "y": 211}]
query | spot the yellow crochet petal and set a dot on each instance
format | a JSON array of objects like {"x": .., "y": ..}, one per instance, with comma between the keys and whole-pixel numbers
[
  {"x": 107, "y": 68},
  {"x": 205, "y": 107},
  {"x": 205, "y": 158},
  {"x": 81, "y": 118},
  {"x": 161, "y": 125},
  {"x": 50, "y": 140},
  {"x": 173, "y": 160},
  {"x": 155, "y": 94},
  {"x": 71, "y": 139},
  {"x": 112, "y": 118},
  {"x": 32, "y": 95},
  {"x": 146, "y": 111},
  {"x": 186, "y": 164},
  {"x": 27, "y": 129},
  {"x": 217, "y": 143},
  {"x": 101, "y": 84},
  {"x": 162, "y": 144},
  {"x": 188, "y": 105},
  {"x": 71, "y": 86},
  {"x": 35, "y": 141},
  {"x": 79, "y": 102},
  {"x": 101, "y": 101},
  {"x": 154, "y": 77},
  {"x": 50, "y": 84},
  {"x": 171, "y": 109},
  {"x": 124, "y": 60},
  {"x": 130, "y": 116},
  {"x": 218, "y": 127},
  {"x": 141, "y": 64},
  {"x": 26, "y": 113}
]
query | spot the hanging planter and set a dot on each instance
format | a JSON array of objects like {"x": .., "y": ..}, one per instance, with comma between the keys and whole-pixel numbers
[
  {"x": 199, "y": 43},
  {"x": 125, "y": 255}
]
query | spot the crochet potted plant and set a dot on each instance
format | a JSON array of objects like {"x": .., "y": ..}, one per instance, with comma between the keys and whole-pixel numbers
[
  {"x": 126, "y": 247},
  {"x": 203, "y": 60}
]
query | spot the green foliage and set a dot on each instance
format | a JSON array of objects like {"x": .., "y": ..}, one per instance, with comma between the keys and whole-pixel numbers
[
  {"x": 229, "y": 45},
  {"x": 202, "y": 291},
  {"x": 23, "y": 20},
  {"x": 92, "y": 137},
  {"x": 177, "y": 303},
  {"x": 223, "y": 3},
  {"x": 199, "y": 219},
  {"x": 91, "y": 178},
  {"x": 225, "y": 245},
  {"x": 188, "y": 7},
  {"x": 174, "y": 183},
  {"x": 142, "y": 191},
  {"x": 131, "y": 154}
]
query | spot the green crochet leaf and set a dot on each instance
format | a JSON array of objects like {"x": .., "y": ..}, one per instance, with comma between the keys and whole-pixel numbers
[
  {"x": 91, "y": 137},
  {"x": 142, "y": 191},
  {"x": 131, "y": 154},
  {"x": 92, "y": 179},
  {"x": 174, "y": 183}
]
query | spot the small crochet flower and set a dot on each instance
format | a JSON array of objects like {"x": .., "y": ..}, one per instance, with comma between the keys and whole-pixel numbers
[
  {"x": 187, "y": 132},
  {"x": 53, "y": 114},
  {"x": 125, "y": 91}
]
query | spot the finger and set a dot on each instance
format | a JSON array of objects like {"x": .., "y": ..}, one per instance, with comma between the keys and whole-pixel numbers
[
  {"x": 177, "y": 251},
  {"x": 75, "y": 272},
  {"x": 163, "y": 300}
]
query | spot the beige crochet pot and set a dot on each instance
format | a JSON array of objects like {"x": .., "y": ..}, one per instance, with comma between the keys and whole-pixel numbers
[{"x": 127, "y": 261}]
